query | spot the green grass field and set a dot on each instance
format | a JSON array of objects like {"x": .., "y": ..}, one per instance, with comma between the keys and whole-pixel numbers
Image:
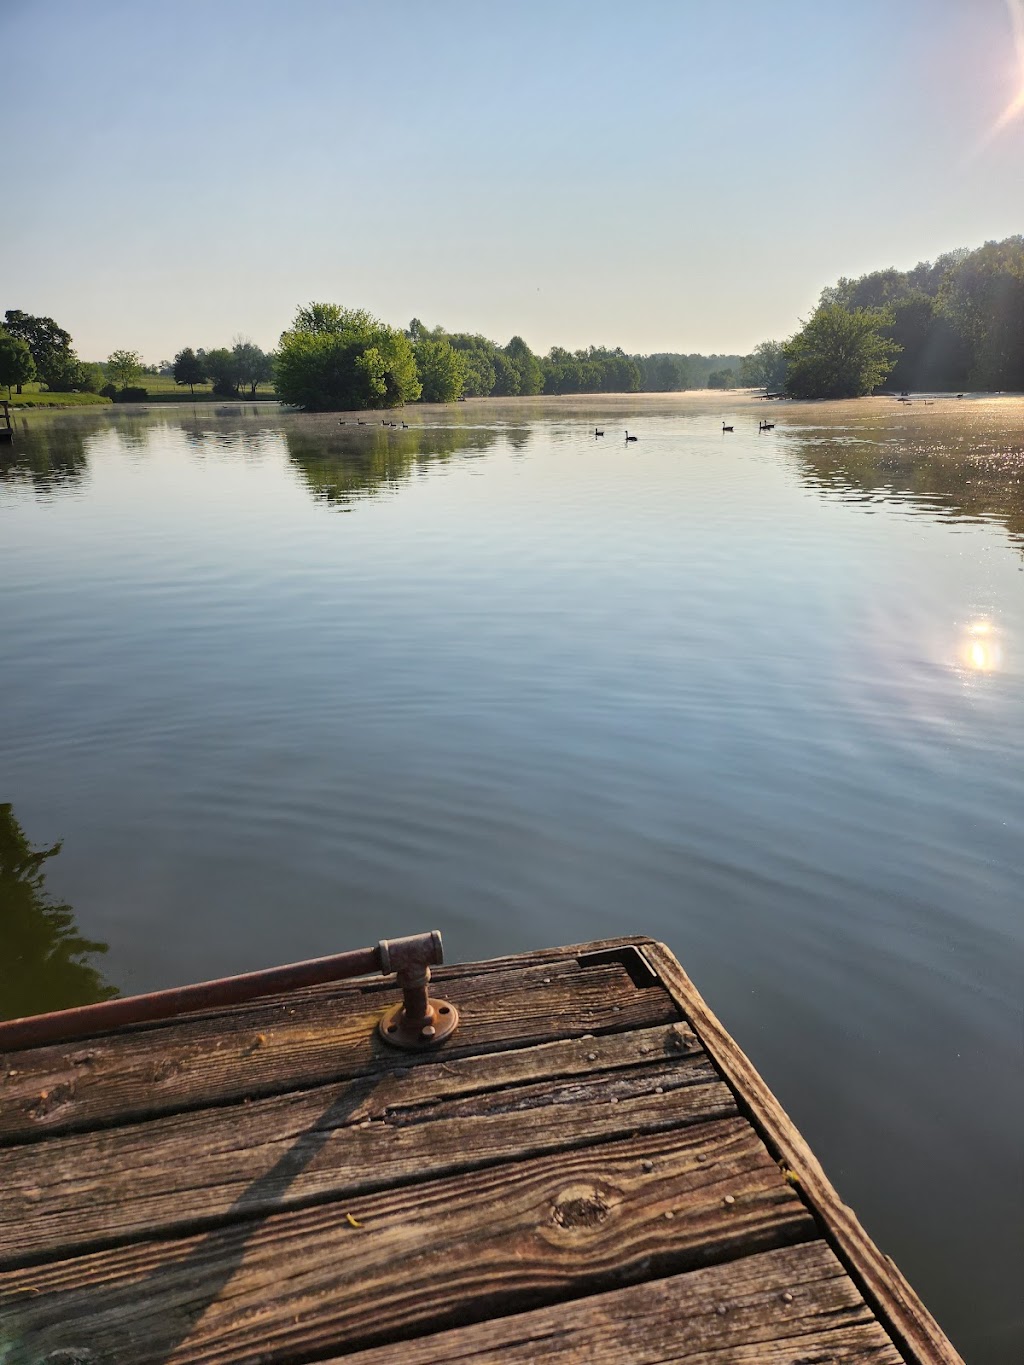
[
  {"x": 34, "y": 398},
  {"x": 160, "y": 388}
]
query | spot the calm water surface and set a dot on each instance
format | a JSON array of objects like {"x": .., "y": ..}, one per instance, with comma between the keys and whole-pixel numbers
[{"x": 283, "y": 686}]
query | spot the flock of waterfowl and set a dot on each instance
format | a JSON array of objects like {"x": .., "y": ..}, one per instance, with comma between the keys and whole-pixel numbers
[
  {"x": 404, "y": 426},
  {"x": 598, "y": 431},
  {"x": 344, "y": 422},
  {"x": 761, "y": 426}
]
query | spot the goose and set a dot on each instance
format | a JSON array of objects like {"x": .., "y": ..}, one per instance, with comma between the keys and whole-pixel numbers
[
  {"x": 766, "y": 426},
  {"x": 598, "y": 431},
  {"x": 725, "y": 428},
  {"x": 631, "y": 438}
]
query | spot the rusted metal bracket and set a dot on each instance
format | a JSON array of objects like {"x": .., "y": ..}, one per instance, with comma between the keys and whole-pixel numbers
[{"x": 417, "y": 1022}]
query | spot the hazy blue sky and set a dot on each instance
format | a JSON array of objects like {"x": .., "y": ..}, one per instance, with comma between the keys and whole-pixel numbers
[{"x": 660, "y": 174}]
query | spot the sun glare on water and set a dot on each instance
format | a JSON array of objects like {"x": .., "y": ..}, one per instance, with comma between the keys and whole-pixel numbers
[{"x": 981, "y": 651}]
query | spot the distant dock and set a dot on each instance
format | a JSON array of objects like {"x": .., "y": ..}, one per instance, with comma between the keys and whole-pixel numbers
[
  {"x": 587, "y": 1168},
  {"x": 6, "y": 426}
]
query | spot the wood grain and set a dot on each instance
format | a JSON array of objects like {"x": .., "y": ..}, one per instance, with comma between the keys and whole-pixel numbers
[
  {"x": 196, "y": 1170},
  {"x": 302, "y": 1284},
  {"x": 307, "y": 1039},
  {"x": 878, "y": 1277},
  {"x": 732, "y": 1314}
]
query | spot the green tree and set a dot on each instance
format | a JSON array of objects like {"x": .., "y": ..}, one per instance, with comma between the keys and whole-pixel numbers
[
  {"x": 55, "y": 361},
  {"x": 982, "y": 295},
  {"x": 441, "y": 369},
  {"x": 531, "y": 377},
  {"x": 664, "y": 373},
  {"x": 478, "y": 359},
  {"x": 722, "y": 379},
  {"x": 44, "y": 961},
  {"x": 840, "y": 353},
  {"x": 65, "y": 373},
  {"x": 562, "y": 371},
  {"x": 334, "y": 358},
  {"x": 189, "y": 369},
  {"x": 92, "y": 377},
  {"x": 221, "y": 367},
  {"x": 124, "y": 367},
  {"x": 765, "y": 367},
  {"x": 252, "y": 365},
  {"x": 506, "y": 376},
  {"x": 419, "y": 331},
  {"x": 16, "y": 363}
]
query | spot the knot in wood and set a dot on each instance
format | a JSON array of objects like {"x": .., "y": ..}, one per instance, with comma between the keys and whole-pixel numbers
[{"x": 580, "y": 1207}]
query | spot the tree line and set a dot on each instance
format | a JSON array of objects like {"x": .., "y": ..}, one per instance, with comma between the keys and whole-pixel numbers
[
  {"x": 231, "y": 371},
  {"x": 334, "y": 357},
  {"x": 955, "y": 323},
  {"x": 37, "y": 348},
  {"x": 419, "y": 363}
]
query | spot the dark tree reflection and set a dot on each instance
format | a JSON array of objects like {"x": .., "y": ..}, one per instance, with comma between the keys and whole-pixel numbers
[
  {"x": 43, "y": 959},
  {"x": 344, "y": 467},
  {"x": 49, "y": 457}
]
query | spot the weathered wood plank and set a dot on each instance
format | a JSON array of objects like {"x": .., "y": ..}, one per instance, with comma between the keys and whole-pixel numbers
[
  {"x": 786, "y": 1307},
  {"x": 914, "y": 1329},
  {"x": 310, "y": 1038},
  {"x": 424, "y": 1258},
  {"x": 196, "y": 1170}
]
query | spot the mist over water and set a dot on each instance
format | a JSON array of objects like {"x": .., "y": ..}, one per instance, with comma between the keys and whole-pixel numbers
[{"x": 284, "y": 687}]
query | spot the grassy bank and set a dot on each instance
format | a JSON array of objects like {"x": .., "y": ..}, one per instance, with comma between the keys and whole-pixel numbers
[
  {"x": 55, "y": 400},
  {"x": 160, "y": 388}
]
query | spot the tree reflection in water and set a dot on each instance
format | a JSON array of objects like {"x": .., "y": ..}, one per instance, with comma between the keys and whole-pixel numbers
[
  {"x": 961, "y": 474},
  {"x": 43, "y": 958},
  {"x": 344, "y": 467},
  {"x": 48, "y": 456}
]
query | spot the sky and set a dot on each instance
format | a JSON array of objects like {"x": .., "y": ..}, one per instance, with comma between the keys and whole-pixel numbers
[{"x": 681, "y": 175}]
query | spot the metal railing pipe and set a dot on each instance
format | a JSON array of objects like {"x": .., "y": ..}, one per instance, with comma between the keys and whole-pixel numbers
[{"x": 411, "y": 958}]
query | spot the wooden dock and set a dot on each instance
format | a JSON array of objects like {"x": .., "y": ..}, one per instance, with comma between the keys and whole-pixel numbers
[{"x": 588, "y": 1170}]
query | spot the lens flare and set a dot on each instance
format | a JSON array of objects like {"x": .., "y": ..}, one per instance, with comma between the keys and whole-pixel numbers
[{"x": 1016, "y": 106}]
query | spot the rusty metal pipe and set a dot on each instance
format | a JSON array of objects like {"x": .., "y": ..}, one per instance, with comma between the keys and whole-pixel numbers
[{"x": 410, "y": 957}]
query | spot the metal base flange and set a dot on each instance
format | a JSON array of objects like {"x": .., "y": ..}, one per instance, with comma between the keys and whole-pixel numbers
[{"x": 440, "y": 1021}]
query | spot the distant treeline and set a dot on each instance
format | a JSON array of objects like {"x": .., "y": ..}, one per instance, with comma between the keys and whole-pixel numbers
[
  {"x": 343, "y": 358},
  {"x": 955, "y": 323},
  {"x": 490, "y": 370}
]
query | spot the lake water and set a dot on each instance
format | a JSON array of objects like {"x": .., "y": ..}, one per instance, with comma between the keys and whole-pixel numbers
[{"x": 284, "y": 687}]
